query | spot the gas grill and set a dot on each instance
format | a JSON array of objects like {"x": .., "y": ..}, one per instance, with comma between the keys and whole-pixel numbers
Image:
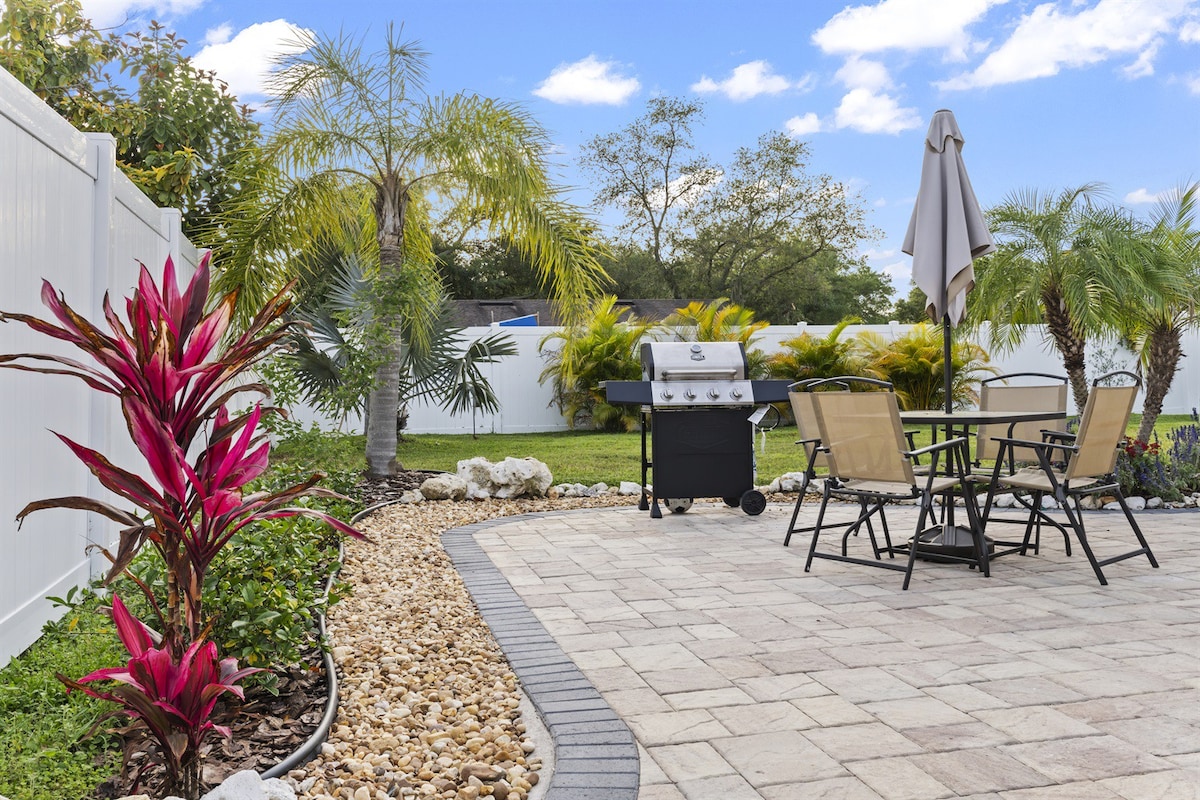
[{"x": 697, "y": 402}]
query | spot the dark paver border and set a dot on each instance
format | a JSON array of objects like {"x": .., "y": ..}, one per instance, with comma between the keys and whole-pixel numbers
[{"x": 595, "y": 755}]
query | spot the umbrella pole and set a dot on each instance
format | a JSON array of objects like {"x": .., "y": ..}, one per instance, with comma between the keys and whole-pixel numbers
[{"x": 947, "y": 364}]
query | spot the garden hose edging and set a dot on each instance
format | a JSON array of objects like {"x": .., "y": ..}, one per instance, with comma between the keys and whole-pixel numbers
[{"x": 312, "y": 746}]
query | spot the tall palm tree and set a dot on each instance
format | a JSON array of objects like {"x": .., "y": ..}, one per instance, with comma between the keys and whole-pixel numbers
[
  {"x": 1057, "y": 263},
  {"x": 349, "y": 118},
  {"x": 1157, "y": 318}
]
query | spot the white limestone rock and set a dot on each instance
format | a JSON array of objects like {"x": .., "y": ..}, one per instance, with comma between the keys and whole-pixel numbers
[
  {"x": 248, "y": 785},
  {"x": 412, "y": 496},
  {"x": 629, "y": 488},
  {"x": 1154, "y": 502},
  {"x": 521, "y": 477},
  {"x": 444, "y": 487},
  {"x": 791, "y": 481},
  {"x": 477, "y": 472}
]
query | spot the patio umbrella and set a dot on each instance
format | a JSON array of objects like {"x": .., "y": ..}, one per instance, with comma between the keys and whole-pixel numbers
[{"x": 947, "y": 232}]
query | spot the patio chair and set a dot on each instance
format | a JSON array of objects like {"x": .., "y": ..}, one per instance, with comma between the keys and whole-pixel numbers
[
  {"x": 1070, "y": 466},
  {"x": 999, "y": 393},
  {"x": 870, "y": 462},
  {"x": 805, "y": 412}
]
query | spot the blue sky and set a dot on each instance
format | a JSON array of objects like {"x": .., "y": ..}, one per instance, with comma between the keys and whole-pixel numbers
[{"x": 1048, "y": 95}]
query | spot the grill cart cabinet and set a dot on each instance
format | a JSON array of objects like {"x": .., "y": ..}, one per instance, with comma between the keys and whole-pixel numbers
[{"x": 696, "y": 404}]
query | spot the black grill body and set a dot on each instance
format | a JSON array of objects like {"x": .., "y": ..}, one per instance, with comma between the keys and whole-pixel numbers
[{"x": 696, "y": 405}]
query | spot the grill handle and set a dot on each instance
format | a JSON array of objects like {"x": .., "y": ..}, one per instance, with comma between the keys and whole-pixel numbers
[{"x": 699, "y": 372}]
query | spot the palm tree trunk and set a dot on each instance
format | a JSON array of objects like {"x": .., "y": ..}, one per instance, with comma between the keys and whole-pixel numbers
[
  {"x": 1069, "y": 346},
  {"x": 1163, "y": 354},
  {"x": 382, "y": 405}
]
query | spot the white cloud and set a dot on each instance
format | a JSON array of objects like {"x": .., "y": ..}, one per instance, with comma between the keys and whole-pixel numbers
[
  {"x": 746, "y": 81},
  {"x": 684, "y": 195},
  {"x": 105, "y": 13},
  {"x": 903, "y": 25},
  {"x": 1047, "y": 40},
  {"x": 244, "y": 62},
  {"x": 802, "y": 125},
  {"x": 869, "y": 112},
  {"x": 1190, "y": 32},
  {"x": 588, "y": 81},
  {"x": 1193, "y": 83},
  {"x": 1140, "y": 197},
  {"x": 864, "y": 73},
  {"x": 218, "y": 35}
]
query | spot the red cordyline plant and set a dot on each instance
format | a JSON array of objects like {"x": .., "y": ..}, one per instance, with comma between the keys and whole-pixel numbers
[
  {"x": 171, "y": 700},
  {"x": 168, "y": 366}
]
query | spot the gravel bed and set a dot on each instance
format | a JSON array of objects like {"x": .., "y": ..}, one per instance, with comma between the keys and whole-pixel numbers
[{"x": 429, "y": 707}]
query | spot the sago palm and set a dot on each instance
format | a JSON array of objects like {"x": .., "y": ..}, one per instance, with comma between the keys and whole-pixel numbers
[
  {"x": 720, "y": 321},
  {"x": 350, "y": 118}
]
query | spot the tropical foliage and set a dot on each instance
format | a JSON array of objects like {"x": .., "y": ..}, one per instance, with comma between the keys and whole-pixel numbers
[
  {"x": 806, "y": 356},
  {"x": 173, "y": 371},
  {"x": 602, "y": 348},
  {"x": 720, "y": 321},
  {"x": 348, "y": 120},
  {"x": 914, "y": 364}
]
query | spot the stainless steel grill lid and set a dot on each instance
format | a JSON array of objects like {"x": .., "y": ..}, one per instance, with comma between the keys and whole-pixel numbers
[{"x": 697, "y": 373}]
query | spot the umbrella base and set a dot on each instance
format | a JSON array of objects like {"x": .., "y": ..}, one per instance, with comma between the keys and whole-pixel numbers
[{"x": 949, "y": 540}]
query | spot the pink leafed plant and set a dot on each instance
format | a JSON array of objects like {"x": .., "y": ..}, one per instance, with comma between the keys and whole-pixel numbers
[
  {"x": 172, "y": 366},
  {"x": 172, "y": 700}
]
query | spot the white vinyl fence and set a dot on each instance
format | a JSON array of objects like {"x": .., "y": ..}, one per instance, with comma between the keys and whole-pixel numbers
[
  {"x": 526, "y": 405},
  {"x": 68, "y": 215}
]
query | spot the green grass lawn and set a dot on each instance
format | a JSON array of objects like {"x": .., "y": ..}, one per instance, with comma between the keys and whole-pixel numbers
[{"x": 573, "y": 456}]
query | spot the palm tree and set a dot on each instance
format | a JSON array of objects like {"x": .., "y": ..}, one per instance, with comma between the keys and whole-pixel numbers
[
  {"x": 1057, "y": 263},
  {"x": 806, "y": 356},
  {"x": 1157, "y": 317},
  {"x": 349, "y": 119},
  {"x": 721, "y": 321},
  {"x": 914, "y": 365}
]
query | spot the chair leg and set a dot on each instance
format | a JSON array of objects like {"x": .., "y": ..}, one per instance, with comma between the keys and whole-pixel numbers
[
  {"x": 1137, "y": 531},
  {"x": 1075, "y": 518},
  {"x": 796, "y": 511},
  {"x": 812, "y": 547},
  {"x": 976, "y": 523}
]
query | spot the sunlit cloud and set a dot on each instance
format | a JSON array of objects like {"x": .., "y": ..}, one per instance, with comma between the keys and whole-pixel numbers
[
  {"x": 589, "y": 81},
  {"x": 106, "y": 13},
  {"x": 868, "y": 112},
  {"x": 245, "y": 60},
  {"x": 802, "y": 125},
  {"x": 1142, "y": 196},
  {"x": 747, "y": 81},
  {"x": 903, "y": 25}
]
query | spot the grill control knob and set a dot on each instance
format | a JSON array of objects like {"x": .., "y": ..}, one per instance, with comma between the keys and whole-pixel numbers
[
  {"x": 689, "y": 394},
  {"x": 735, "y": 393},
  {"x": 713, "y": 393},
  {"x": 666, "y": 394}
]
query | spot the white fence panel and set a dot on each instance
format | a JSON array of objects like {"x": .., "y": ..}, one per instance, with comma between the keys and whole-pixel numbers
[{"x": 69, "y": 216}]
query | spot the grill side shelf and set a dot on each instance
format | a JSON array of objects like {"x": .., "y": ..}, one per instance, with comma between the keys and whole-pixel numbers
[{"x": 632, "y": 392}]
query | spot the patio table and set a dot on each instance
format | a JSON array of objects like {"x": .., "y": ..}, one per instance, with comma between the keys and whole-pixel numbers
[{"x": 950, "y": 538}]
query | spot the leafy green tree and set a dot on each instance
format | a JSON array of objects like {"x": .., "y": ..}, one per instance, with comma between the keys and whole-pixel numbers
[
  {"x": 603, "y": 347},
  {"x": 1156, "y": 318},
  {"x": 911, "y": 309},
  {"x": 486, "y": 270},
  {"x": 1059, "y": 262},
  {"x": 806, "y": 356},
  {"x": 651, "y": 171},
  {"x": 178, "y": 130},
  {"x": 351, "y": 118},
  {"x": 914, "y": 363}
]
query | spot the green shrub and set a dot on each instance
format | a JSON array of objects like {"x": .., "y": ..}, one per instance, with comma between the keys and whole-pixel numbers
[{"x": 806, "y": 356}]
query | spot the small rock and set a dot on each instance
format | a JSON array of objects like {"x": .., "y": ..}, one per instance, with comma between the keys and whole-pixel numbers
[
  {"x": 597, "y": 489},
  {"x": 1154, "y": 502},
  {"x": 1004, "y": 501},
  {"x": 444, "y": 487},
  {"x": 275, "y": 789},
  {"x": 412, "y": 496},
  {"x": 629, "y": 488},
  {"x": 485, "y": 772},
  {"x": 1049, "y": 502},
  {"x": 772, "y": 487},
  {"x": 244, "y": 785},
  {"x": 1135, "y": 503}
]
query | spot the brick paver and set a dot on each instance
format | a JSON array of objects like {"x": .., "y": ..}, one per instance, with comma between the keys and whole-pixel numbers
[{"x": 740, "y": 675}]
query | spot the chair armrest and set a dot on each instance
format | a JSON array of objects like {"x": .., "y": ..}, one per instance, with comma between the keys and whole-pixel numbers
[
  {"x": 807, "y": 441},
  {"x": 1035, "y": 445},
  {"x": 935, "y": 448},
  {"x": 1061, "y": 436}
]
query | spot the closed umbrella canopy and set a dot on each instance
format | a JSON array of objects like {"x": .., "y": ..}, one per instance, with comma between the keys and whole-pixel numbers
[{"x": 947, "y": 231}]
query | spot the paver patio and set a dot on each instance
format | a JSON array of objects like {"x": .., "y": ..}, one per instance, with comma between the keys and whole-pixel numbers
[{"x": 742, "y": 676}]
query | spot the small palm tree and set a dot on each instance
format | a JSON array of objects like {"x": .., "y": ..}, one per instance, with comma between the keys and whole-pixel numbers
[
  {"x": 353, "y": 120},
  {"x": 1157, "y": 317},
  {"x": 806, "y": 356},
  {"x": 1056, "y": 263},
  {"x": 913, "y": 364},
  {"x": 603, "y": 348},
  {"x": 720, "y": 321}
]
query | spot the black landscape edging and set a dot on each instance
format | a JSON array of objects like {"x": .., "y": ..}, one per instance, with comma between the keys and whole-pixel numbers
[
  {"x": 313, "y": 744},
  {"x": 595, "y": 754}
]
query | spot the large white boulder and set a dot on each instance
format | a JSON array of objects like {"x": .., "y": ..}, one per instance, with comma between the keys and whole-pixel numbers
[
  {"x": 520, "y": 477},
  {"x": 477, "y": 472},
  {"x": 444, "y": 487}
]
